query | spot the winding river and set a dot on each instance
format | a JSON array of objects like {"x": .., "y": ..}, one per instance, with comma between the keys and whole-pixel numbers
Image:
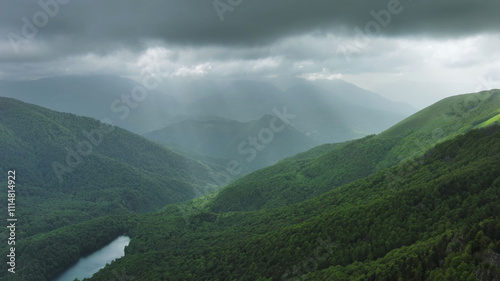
[{"x": 87, "y": 266}]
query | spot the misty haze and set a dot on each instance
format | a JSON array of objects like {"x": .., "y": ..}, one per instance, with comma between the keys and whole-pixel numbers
[{"x": 250, "y": 140}]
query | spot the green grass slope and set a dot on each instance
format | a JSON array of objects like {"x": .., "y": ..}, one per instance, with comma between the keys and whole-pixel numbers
[
  {"x": 440, "y": 223},
  {"x": 492, "y": 120},
  {"x": 458, "y": 113},
  {"x": 71, "y": 169},
  {"x": 327, "y": 167}
]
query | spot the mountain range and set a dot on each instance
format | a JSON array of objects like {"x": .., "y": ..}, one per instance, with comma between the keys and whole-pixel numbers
[
  {"x": 77, "y": 168},
  {"x": 440, "y": 223},
  {"x": 325, "y": 111},
  {"x": 218, "y": 119},
  {"x": 249, "y": 145},
  {"x": 312, "y": 173},
  {"x": 417, "y": 201}
]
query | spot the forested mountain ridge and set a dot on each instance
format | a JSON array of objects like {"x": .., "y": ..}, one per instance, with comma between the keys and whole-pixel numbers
[
  {"x": 440, "y": 223},
  {"x": 77, "y": 168},
  {"x": 324, "y": 168},
  {"x": 430, "y": 217},
  {"x": 459, "y": 113},
  {"x": 254, "y": 144}
]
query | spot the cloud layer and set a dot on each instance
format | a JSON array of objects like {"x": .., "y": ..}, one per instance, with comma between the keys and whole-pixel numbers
[{"x": 258, "y": 39}]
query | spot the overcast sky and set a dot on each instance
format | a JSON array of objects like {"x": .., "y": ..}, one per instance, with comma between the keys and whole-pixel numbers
[{"x": 412, "y": 50}]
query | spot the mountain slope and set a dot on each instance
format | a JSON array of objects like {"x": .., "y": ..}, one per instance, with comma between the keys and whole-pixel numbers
[
  {"x": 97, "y": 96},
  {"x": 74, "y": 168},
  {"x": 232, "y": 140},
  {"x": 441, "y": 224},
  {"x": 301, "y": 177},
  {"x": 459, "y": 113},
  {"x": 444, "y": 212}
]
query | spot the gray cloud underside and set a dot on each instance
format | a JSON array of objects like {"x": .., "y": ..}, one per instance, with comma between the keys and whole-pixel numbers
[{"x": 101, "y": 26}]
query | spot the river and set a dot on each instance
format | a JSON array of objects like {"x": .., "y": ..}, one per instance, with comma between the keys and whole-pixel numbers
[{"x": 87, "y": 266}]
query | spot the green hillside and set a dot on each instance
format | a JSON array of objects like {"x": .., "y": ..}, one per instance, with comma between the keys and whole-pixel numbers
[
  {"x": 72, "y": 169},
  {"x": 324, "y": 168},
  {"x": 332, "y": 213},
  {"x": 94, "y": 96},
  {"x": 492, "y": 120},
  {"x": 458, "y": 113},
  {"x": 441, "y": 223}
]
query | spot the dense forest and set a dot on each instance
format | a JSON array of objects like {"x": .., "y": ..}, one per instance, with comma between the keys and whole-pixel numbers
[
  {"x": 345, "y": 211},
  {"x": 73, "y": 169},
  {"x": 250, "y": 140},
  {"x": 324, "y": 168},
  {"x": 440, "y": 223}
]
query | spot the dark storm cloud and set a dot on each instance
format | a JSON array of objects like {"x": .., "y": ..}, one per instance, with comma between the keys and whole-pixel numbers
[{"x": 103, "y": 26}]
